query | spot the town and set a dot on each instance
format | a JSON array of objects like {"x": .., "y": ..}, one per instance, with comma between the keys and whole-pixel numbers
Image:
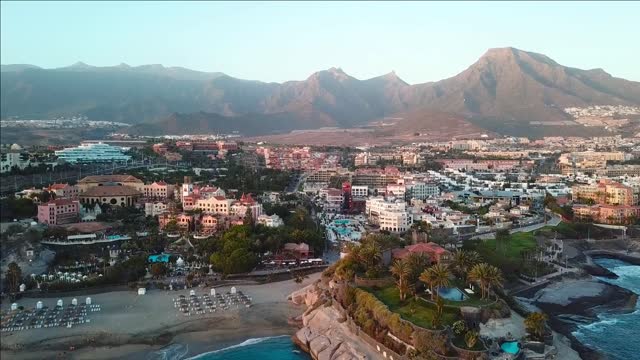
[{"x": 469, "y": 222}]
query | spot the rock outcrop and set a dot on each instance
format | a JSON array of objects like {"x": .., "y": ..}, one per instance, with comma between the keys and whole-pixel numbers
[{"x": 323, "y": 334}]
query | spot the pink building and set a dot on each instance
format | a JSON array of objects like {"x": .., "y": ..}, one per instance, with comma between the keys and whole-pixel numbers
[
  {"x": 65, "y": 191},
  {"x": 158, "y": 190},
  {"x": 59, "y": 211}
]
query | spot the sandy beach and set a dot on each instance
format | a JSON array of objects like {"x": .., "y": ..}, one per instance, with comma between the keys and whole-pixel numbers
[{"x": 135, "y": 326}]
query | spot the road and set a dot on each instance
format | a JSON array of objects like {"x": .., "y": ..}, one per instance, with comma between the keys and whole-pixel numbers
[
  {"x": 293, "y": 187},
  {"x": 554, "y": 221}
]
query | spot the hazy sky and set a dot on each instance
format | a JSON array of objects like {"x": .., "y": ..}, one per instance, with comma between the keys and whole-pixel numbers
[{"x": 274, "y": 41}]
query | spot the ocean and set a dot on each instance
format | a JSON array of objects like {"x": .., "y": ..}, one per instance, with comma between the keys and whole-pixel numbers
[
  {"x": 616, "y": 335},
  {"x": 266, "y": 348}
]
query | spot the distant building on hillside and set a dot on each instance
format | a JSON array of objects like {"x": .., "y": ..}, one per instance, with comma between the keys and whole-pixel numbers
[{"x": 89, "y": 153}]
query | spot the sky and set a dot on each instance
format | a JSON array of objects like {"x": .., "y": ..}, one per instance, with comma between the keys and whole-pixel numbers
[{"x": 281, "y": 41}]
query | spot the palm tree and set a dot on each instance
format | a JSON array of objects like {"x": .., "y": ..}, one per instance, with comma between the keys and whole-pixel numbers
[
  {"x": 441, "y": 276},
  {"x": 437, "y": 316},
  {"x": 401, "y": 270},
  {"x": 370, "y": 256},
  {"x": 417, "y": 262},
  {"x": 459, "y": 262},
  {"x": 478, "y": 273},
  {"x": 535, "y": 324},
  {"x": 428, "y": 278},
  {"x": 436, "y": 277},
  {"x": 494, "y": 278}
]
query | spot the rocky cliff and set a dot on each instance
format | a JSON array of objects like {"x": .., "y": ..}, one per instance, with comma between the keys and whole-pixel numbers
[{"x": 324, "y": 334}]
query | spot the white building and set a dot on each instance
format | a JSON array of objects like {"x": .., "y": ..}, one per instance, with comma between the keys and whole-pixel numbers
[
  {"x": 333, "y": 198},
  {"x": 397, "y": 190},
  {"x": 92, "y": 153},
  {"x": 359, "y": 191},
  {"x": 421, "y": 190},
  {"x": 154, "y": 208},
  {"x": 391, "y": 215},
  {"x": 270, "y": 221},
  {"x": 13, "y": 158}
]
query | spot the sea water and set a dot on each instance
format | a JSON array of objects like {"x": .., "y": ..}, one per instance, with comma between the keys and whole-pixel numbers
[
  {"x": 616, "y": 335},
  {"x": 266, "y": 348}
]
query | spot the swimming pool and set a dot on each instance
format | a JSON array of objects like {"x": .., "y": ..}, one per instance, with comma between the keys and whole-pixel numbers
[
  {"x": 342, "y": 221},
  {"x": 510, "y": 347},
  {"x": 453, "y": 294},
  {"x": 159, "y": 258}
]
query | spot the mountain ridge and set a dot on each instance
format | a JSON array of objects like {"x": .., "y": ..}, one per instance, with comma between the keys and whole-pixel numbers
[{"x": 505, "y": 86}]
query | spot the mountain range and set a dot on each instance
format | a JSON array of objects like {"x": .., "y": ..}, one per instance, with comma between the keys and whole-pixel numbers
[{"x": 504, "y": 91}]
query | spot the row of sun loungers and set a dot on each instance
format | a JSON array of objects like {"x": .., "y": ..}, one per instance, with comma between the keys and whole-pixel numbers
[
  {"x": 199, "y": 305},
  {"x": 45, "y": 317}
]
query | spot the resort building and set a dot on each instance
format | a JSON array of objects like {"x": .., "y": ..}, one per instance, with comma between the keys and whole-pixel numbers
[
  {"x": 421, "y": 190},
  {"x": 608, "y": 214},
  {"x": 300, "y": 251},
  {"x": 270, "y": 220},
  {"x": 605, "y": 191},
  {"x": 155, "y": 208},
  {"x": 333, "y": 198},
  {"x": 14, "y": 158},
  {"x": 208, "y": 223},
  {"x": 110, "y": 180},
  {"x": 110, "y": 194},
  {"x": 390, "y": 215},
  {"x": 376, "y": 178},
  {"x": 87, "y": 153},
  {"x": 359, "y": 191},
  {"x": 213, "y": 205},
  {"x": 435, "y": 252},
  {"x": 64, "y": 191},
  {"x": 158, "y": 190},
  {"x": 59, "y": 211}
]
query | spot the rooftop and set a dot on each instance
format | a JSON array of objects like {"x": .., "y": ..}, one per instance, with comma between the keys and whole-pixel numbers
[{"x": 110, "y": 190}]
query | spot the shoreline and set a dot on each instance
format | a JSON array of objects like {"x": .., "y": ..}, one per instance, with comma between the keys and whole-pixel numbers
[
  {"x": 585, "y": 308},
  {"x": 132, "y": 326}
]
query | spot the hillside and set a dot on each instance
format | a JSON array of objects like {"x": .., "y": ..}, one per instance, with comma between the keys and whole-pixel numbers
[{"x": 507, "y": 90}]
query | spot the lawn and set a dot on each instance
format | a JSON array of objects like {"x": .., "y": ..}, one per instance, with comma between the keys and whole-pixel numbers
[
  {"x": 517, "y": 243},
  {"x": 416, "y": 311}
]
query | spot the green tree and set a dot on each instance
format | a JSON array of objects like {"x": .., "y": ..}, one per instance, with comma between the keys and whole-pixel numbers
[
  {"x": 401, "y": 270},
  {"x": 535, "y": 323},
  {"x": 158, "y": 270},
  {"x": 171, "y": 226},
  {"x": 248, "y": 218},
  {"x": 13, "y": 276},
  {"x": 471, "y": 338},
  {"x": 486, "y": 276},
  {"x": 438, "y": 276}
]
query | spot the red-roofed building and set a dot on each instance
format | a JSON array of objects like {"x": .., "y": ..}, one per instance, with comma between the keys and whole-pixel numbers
[
  {"x": 65, "y": 191},
  {"x": 59, "y": 211},
  {"x": 435, "y": 252},
  {"x": 300, "y": 251}
]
